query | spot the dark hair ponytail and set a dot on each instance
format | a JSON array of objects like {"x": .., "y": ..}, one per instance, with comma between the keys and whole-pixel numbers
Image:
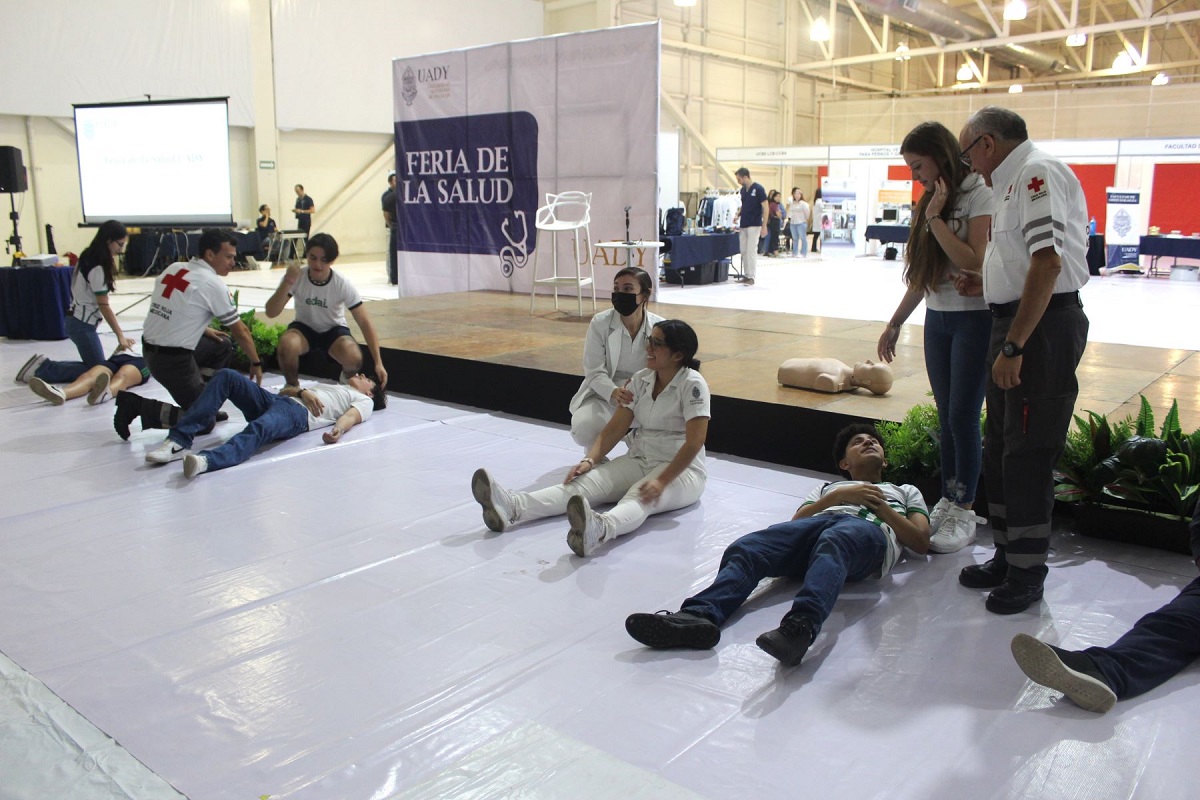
[
  {"x": 680, "y": 338},
  {"x": 97, "y": 253}
]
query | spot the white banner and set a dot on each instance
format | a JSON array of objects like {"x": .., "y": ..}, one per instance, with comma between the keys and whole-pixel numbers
[
  {"x": 1122, "y": 226},
  {"x": 482, "y": 135}
]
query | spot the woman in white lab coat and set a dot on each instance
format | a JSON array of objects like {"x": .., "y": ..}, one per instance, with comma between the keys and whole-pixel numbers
[
  {"x": 614, "y": 350},
  {"x": 664, "y": 469}
]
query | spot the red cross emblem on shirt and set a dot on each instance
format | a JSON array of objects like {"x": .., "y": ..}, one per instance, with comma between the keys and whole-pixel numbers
[
  {"x": 1036, "y": 185},
  {"x": 173, "y": 282}
]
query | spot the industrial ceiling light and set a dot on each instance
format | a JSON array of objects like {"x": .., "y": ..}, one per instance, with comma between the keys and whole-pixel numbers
[
  {"x": 685, "y": 3},
  {"x": 1016, "y": 88},
  {"x": 964, "y": 73},
  {"x": 1015, "y": 9},
  {"x": 819, "y": 32},
  {"x": 1077, "y": 40},
  {"x": 1161, "y": 79},
  {"x": 1123, "y": 62},
  {"x": 902, "y": 52}
]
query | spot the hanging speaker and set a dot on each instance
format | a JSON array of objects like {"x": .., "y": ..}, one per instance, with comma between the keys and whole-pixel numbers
[{"x": 12, "y": 171}]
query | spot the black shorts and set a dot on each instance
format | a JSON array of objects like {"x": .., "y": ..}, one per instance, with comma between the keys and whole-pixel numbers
[
  {"x": 320, "y": 341},
  {"x": 125, "y": 359}
]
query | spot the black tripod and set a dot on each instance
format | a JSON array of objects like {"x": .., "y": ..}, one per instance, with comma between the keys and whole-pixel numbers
[{"x": 14, "y": 241}]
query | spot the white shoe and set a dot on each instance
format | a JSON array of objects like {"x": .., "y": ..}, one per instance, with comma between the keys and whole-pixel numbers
[
  {"x": 193, "y": 465},
  {"x": 99, "y": 391},
  {"x": 587, "y": 531},
  {"x": 47, "y": 391},
  {"x": 957, "y": 531},
  {"x": 496, "y": 501},
  {"x": 938, "y": 514},
  {"x": 166, "y": 452},
  {"x": 29, "y": 367}
]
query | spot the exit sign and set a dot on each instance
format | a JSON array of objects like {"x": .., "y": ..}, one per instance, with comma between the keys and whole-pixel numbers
[{"x": 266, "y": 165}]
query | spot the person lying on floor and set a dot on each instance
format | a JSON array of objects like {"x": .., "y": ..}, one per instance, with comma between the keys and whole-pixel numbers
[
  {"x": 271, "y": 416},
  {"x": 1152, "y": 652},
  {"x": 109, "y": 378},
  {"x": 663, "y": 470},
  {"x": 845, "y": 531}
]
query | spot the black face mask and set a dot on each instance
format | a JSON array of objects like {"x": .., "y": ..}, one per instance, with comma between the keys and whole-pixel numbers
[{"x": 625, "y": 303}]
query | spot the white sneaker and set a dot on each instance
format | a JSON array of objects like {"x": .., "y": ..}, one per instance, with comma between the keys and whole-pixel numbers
[
  {"x": 47, "y": 391},
  {"x": 496, "y": 501},
  {"x": 193, "y": 465},
  {"x": 938, "y": 514},
  {"x": 29, "y": 367},
  {"x": 957, "y": 531},
  {"x": 587, "y": 531},
  {"x": 99, "y": 391},
  {"x": 166, "y": 452}
]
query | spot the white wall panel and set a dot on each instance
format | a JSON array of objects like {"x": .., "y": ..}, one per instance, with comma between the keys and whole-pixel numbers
[
  {"x": 60, "y": 52},
  {"x": 333, "y": 59}
]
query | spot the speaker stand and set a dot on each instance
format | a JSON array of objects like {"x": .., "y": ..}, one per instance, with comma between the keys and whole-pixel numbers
[{"x": 15, "y": 240}]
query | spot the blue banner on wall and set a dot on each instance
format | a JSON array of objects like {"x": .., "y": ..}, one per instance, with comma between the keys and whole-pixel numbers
[{"x": 468, "y": 185}]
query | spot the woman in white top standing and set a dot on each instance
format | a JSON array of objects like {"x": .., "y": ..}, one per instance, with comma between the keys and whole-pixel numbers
[
  {"x": 614, "y": 350},
  {"x": 799, "y": 215},
  {"x": 949, "y": 235},
  {"x": 94, "y": 277},
  {"x": 665, "y": 425},
  {"x": 818, "y": 214}
]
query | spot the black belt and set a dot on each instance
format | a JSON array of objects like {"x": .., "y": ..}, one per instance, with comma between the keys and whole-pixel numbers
[
  {"x": 166, "y": 351},
  {"x": 1060, "y": 300}
]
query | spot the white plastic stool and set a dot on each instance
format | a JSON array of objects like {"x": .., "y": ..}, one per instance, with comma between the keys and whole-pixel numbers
[{"x": 567, "y": 212}]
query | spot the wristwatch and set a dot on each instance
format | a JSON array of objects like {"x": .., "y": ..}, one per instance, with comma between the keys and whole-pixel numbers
[{"x": 1012, "y": 349}]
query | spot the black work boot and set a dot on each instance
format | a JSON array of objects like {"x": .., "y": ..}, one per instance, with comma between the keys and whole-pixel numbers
[
  {"x": 987, "y": 575},
  {"x": 1021, "y": 589},
  {"x": 790, "y": 641}
]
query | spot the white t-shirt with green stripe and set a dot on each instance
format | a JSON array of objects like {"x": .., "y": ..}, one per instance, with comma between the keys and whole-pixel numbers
[{"x": 904, "y": 500}]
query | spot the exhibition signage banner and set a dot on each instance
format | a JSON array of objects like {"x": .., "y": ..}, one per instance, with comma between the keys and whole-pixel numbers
[
  {"x": 1122, "y": 234},
  {"x": 484, "y": 134}
]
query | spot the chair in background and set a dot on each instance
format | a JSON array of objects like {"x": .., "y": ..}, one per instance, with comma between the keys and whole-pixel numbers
[{"x": 565, "y": 212}]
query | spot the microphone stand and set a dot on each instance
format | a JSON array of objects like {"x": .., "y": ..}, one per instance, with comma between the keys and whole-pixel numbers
[{"x": 628, "y": 240}]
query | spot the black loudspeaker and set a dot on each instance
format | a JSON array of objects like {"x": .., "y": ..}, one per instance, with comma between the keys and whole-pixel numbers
[
  {"x": 12, "y": 171},
  {"x": 889, "y": 253}
]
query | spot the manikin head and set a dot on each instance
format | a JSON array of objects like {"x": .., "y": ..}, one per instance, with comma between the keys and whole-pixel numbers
[{"x": 875, "y": 378}]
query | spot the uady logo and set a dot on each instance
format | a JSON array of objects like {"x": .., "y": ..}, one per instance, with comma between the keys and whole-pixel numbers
[
  {"x": 408, "y": 86},
  {"x": 468, "y": 185},
  {"x": 1122, "y": 222}
]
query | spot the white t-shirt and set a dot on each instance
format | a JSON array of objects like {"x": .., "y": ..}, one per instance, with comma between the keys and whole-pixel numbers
[
  {"x": 724, "y": 209},
  {"x": 798, "y": 212},
  {"x": 337, "y": 399},
  {"x": 903, "y": 500},
  {"x": 974, "y": 200},
  {"x": 187, "y": 295},
  {"x": 84, "y": 290},
  {"x": 661, "y": 424},
  {"x": 1039, "y": 204},
  {"x": 324, "y": 307}
]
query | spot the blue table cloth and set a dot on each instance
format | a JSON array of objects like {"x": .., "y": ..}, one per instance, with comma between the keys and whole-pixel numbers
[{"x": 33, "y": 302}]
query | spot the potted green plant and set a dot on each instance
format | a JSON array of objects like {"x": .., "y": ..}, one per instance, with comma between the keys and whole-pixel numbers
[
  {"x": 1128, "y": 484},
  {"x": 266, "y": 338}
]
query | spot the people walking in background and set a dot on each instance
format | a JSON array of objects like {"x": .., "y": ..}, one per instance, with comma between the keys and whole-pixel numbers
[
  {"x": 818, "y": 221},
  {"x": 390, "y": 222},
  {"x": 798, "y": 216},
  {"x": 304, "y": 210},
  {"x": 752, "y": 223}
]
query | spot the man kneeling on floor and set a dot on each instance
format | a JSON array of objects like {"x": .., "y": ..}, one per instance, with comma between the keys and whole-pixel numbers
[
  {"x": 271, "y": 416},
  {"x": 845, "y": 531}
]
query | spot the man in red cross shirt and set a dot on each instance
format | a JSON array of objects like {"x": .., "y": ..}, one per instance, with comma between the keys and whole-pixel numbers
[
  {"x": 1033, "y": 269},
  {"x": 180, "y": 348}
]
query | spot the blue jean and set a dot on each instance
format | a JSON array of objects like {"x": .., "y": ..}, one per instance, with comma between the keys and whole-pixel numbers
[
  {"x": 91, "y": 353},
  {"x": 271, "y": 418},
  {"x": 799, "y": 238},
  {"x": 1160, "y": 645},
  {"x": 826, "y": 550},
  {"x": 956, "y": 358}
]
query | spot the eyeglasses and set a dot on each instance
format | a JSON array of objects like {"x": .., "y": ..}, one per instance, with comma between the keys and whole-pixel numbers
[
  {"x": 963, "y": 157},
  {"x": 657, "y": 342}
]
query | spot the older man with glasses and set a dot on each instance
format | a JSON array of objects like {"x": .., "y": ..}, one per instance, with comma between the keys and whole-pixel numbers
[{"x": 1033, "y": 269}]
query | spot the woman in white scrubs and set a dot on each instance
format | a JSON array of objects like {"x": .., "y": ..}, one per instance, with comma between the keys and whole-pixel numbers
[
  {"x": 614, "y": 350},
  {"x": 668, "y": 411}
]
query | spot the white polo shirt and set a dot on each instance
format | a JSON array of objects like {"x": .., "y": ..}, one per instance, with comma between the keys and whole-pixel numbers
[
  {"x": 187, "y": 295},
  {"x": 87, "y": 283},
  {"x": 662, "y": 423},
  {"x": 323, "y": 307},
  {"x": 1039, "y": 204}
]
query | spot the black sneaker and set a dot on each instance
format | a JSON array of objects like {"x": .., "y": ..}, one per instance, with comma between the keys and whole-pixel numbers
[
  {"x": 127, "y": 412},
  {"x": 1067, "y": 671},
  {"x": 790, "y": 641},
  {"x": 666, "y": 630},
  {"x": 1013, "y": 597},
  {"x": 987, "y": 575}
]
